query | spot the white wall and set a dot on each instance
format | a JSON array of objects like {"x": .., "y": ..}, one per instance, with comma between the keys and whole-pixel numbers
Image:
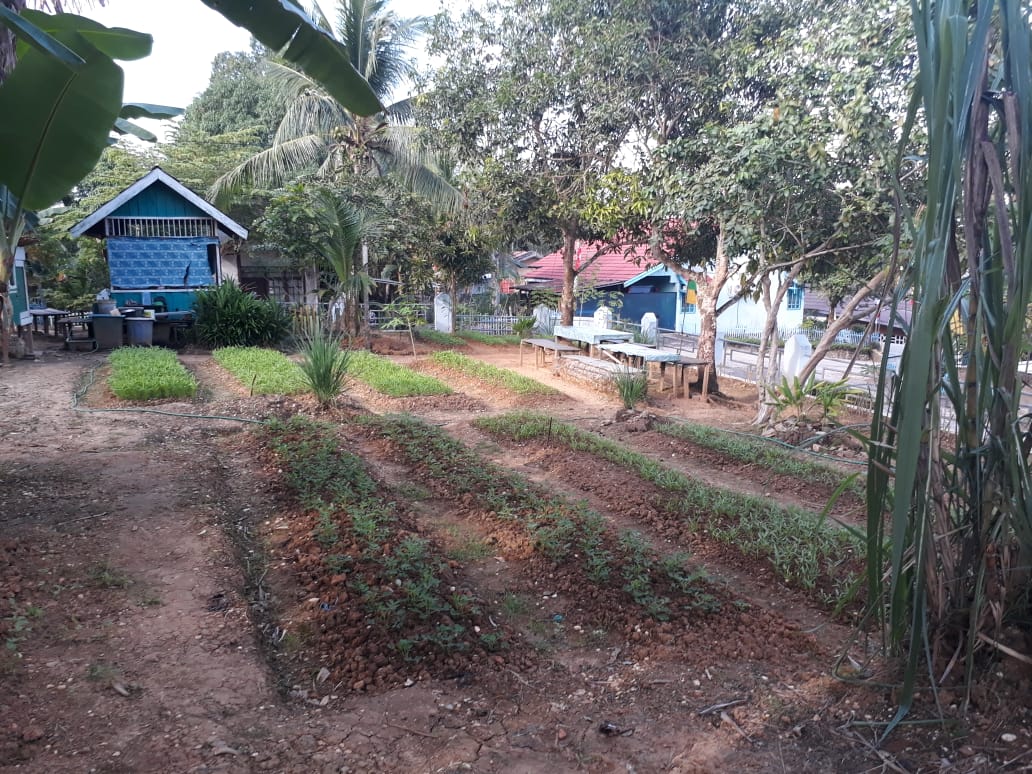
[{"x": 744, "y": 315}]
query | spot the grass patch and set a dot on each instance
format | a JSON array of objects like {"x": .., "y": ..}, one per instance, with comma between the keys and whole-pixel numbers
[
  {"x": 759, "y": 451},
  {"x": 440, "y": 338},
  {"x": 801, "y": 546},
  {"x": 262, "y": 371},
  {"x": 146, "y": 373},
  {"x": 392, "y": 379},
  {"x": 487, "y": 338},
  {"x": 497, "y": 377}
]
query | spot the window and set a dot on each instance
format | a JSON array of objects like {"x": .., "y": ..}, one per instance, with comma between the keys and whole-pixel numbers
[{"x": 795, "y": 297}]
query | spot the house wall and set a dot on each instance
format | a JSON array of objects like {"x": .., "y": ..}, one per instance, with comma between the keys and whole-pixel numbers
[
  {"x": 158, "y": 201},
  {"x": 18, "y": 288},
  {"x": 744, "y": 315}
]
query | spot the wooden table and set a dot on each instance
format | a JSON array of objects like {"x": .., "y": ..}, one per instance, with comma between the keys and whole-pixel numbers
[
  {"x": 590, "y": 335},
  {"x": 49, "y": 319},
  {"x": 667, "y": 358},
  {"x": 542, "y": 347}
]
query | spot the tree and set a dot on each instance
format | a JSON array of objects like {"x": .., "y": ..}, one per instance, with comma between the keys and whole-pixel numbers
[
  {"x": 547, "y": 114},
  {"x": 318, "y": 135},
  {"x": 240, "y": 96}
]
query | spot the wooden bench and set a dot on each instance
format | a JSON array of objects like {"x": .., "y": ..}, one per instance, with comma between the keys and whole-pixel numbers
[{"x": 542, "y": 347}]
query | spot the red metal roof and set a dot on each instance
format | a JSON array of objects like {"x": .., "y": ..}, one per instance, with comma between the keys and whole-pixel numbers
[{"x": 614, "y": 266}]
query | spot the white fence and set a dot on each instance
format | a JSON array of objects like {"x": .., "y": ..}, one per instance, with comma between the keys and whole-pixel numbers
[
  {"x": 854, "y": 338},
  {"x": 491, "y": 324}
]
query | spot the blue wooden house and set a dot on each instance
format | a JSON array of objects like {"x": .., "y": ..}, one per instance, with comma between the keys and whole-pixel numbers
[{"x": 163, "y": 243}]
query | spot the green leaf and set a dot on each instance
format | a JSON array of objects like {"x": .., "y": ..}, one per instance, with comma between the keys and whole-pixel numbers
[
  {"x": 122, "y": 126},
  {"x": 116, "y": 42},
  {"x": 147, "y": 110},
  {"x": 285, "y": 28},
  {"x": 38, "y": 39},
  {"x": 63, "y": 120}
]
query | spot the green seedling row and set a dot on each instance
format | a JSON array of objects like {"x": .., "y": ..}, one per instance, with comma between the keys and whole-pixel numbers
[
  {"x": 148, "y": 373},
  {"x": 759, "y": 452},
  {"x": 485, "y": 372},
  {"x": 561, "y": 531},
  {"x": 391, "y": 379},
  {"x": 262, "y": 371},
  {"x": 397, "y": 574},
  {"x": 801, "y": 546}
]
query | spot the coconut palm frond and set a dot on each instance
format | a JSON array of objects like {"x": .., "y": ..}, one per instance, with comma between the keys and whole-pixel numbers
[
  {"x": 379, "y": 41},
  {"x": 441, "y": 194},
  {"x": 400, "y": 112},
  {"x": 270, "y": 167},
  {"x": 312, "y": 113}
]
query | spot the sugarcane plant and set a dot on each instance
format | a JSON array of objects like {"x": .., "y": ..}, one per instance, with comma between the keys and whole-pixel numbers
[{"x": 949, "y": 552}]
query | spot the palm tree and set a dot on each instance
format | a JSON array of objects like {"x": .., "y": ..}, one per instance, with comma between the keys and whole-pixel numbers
[
  {"x": 318, "y": 134},
  {"x": 343, "y": 229}
]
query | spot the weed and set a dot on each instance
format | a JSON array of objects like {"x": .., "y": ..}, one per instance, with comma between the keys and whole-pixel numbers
[
  {"x": 514, "y": 605},
  {"x": 102, "y": 673},
  {"x": 493, "y": 641},
  {"x": 470, "y": 550},
  {"x": 491, "y": 339},
  {"x": 107, "y": 577},
  {"x": 439, "y": 338}
]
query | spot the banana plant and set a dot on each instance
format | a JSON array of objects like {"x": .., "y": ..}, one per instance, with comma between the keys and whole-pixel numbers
[{"x": 65, "y": 93}]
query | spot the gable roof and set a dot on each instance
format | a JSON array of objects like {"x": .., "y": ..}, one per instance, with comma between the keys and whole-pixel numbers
[
  {"x": 158, "y": 175},
  {"x": 614, "y": 266}
]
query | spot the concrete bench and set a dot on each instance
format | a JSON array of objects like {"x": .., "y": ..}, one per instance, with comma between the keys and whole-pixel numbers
[{"x": 542, "y": 347}]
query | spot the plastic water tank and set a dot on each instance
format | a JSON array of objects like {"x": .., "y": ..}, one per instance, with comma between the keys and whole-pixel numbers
[{"x": 139, "y": 331}]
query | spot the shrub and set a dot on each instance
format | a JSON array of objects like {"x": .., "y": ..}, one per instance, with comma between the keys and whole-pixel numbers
[{"x": 228, "y": 316}]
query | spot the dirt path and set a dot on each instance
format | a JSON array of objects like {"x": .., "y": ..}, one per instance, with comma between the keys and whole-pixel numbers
[{"x": 143, "y": 636}]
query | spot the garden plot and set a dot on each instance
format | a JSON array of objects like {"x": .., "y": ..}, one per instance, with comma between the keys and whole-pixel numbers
[{"x": 710, "y": 662}]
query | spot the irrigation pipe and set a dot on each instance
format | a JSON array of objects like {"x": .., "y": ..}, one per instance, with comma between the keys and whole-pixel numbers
[{"x": 89, "y": 381}]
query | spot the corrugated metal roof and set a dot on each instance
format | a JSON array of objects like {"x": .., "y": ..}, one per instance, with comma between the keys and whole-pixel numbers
[{"x": 615, "y": 265}]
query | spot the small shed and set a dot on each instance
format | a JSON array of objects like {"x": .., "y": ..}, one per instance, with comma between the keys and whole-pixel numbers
[{"x": 163, "y": 243}]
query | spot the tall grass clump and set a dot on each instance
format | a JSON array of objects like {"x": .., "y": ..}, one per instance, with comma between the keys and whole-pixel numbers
[
  {"x": 632, "y": 385},
  {"x": 324, "y": 361},
  {"x": 229, "y": 316},
  {"x": 146, "y": 373},
  {"x": 950, "y": 572}
]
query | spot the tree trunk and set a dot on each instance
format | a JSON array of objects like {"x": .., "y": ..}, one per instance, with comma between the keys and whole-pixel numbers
[
  {"x": 766, "y": 373},
  {"x": 708, "y": 293},
  {"x": 569, "y": 274},
  {"x": 842, "y": 322}
]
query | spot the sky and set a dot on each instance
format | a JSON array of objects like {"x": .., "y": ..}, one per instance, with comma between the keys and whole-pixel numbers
[{"x": 187, "y": 36}]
